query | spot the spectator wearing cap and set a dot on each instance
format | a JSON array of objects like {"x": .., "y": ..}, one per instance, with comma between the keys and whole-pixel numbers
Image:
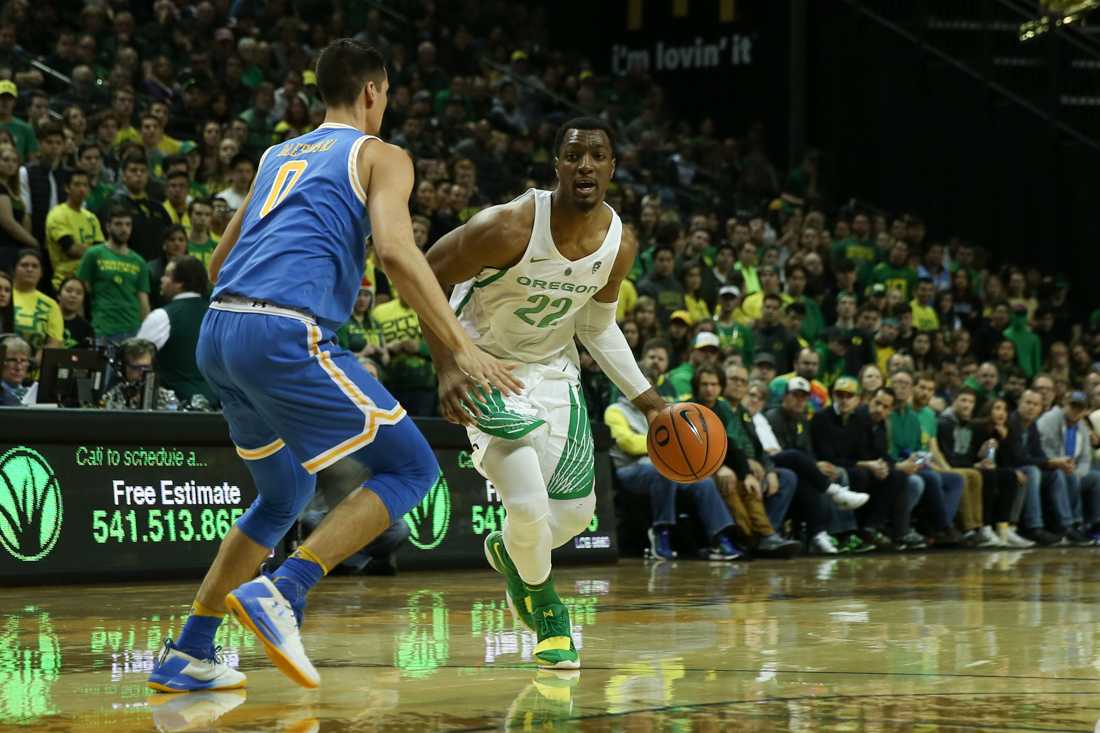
[
  {"x": 763, "y": 367},
  {"x": 1064, "y": 433},
  {"x": 854, "y": 438},
  {"x": 923, "y": 306},
  {"x": 895, "y": 273},
  {"x": 753, "y": 305},
  {"x": 772, "y": 336},
  {"x": 733, "y": 336},
  {"x": 806, "y": 368},
  {"x": 704, "y": 352},
  {"x": 661, "y": 283},
  {"x": 679, "y": 335},
  {"x": 26, "y": 142},
  {"x": 910, "y": 449},
  {"x": 174, "y": 328},
  {"x": 814, "y": 321},
  {"x": 818, "y": 481}
]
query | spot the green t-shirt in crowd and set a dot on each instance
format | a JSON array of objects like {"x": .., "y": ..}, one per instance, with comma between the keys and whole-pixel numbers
[
  {"x": 862, "y": 253},
  {"x": 735, "y": 337},
  {"x": 26, "y": 142},
  {"x": 203, "y": 252},
  {"x": 929, "y": 425},
  {"x": 115, "y": 281},
  {"x": 356, "y": 335},
  {"x": 895, "y": 278},
  {"x": 905, "y": 433}
]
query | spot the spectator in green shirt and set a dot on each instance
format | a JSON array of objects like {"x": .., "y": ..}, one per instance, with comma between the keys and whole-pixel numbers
[
  {"x": 26, "y": 142},
  {"x": 895, "y": 273},
  {"x": 118, "y": 279},
  {"x": 857, "y": 246}
]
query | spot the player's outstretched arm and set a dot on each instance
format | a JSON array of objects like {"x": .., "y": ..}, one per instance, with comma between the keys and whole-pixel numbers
[
  {"x": 494, "y": 237},
  {"x": 388, "y": 174},
  {"x": 601, "y": 335}
]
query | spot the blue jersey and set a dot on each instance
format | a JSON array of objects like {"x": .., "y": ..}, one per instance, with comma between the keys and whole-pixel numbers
[{"x": 303, "y": 237}]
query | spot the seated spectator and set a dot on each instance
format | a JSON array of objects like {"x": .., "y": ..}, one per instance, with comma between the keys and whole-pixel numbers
[
  {"x": 746, "y": 495},
  {"x": 806, "y": 367},
  {"x": 71, "y": 229},
  {"x": 72, "y": 297},
  {"x": 818, "y": 481},
  {"x": 410, "y": 376},
  {"x": 959, "y": 441},
  {"x": 136, "y": 363},
  {"x": 1064, "y": 434},
  {"x": 704, "y": 352},
  {"x": 772, "y": 336},
  {"x": 843, "y": 436},
  {"x": 174, "y": 330},
  {"x": 753, "y": 305},
  {"x": 733, "y": 336},
  {"x": 763, "y": 368},
  {"x": 240, "y": 180},
  {"x": 636, "y": 474},
  {"x": 118, "y": 280},
  {"x": 15, "y": 388},
  {"x": 941, "y": 492},
  {"x": 37, "y": 316},
  {"x": 362, "y": 335},
  {"x": 661, "y": 284},
  {"x": 1046, "y": 513}
]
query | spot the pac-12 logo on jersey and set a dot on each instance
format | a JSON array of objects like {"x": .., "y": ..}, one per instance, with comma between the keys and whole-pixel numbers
[{"x": 596, "y": 267}]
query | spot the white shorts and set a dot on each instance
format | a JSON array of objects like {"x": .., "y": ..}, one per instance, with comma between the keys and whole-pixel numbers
[{"x": 552, "y": 416}]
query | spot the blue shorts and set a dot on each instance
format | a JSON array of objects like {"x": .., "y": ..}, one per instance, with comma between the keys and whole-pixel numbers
[{"x": 284, "y": 383}]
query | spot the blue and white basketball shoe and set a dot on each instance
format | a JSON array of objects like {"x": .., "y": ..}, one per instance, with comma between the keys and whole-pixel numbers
[
  {"x": 263, "y": 610},
  {"x": 178, "y": 671}
]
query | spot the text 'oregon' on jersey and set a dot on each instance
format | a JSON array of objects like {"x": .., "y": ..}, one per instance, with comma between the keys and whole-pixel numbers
[
  {"x": 302, "y": 240},
  {"x": 526, "y": 312}
]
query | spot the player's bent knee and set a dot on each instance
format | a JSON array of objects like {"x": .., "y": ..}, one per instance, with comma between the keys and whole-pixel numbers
[
  {"x": 401, "y": 490},
  {"x": 570, "y": 517},
  {"x": 266, "y": 522}
]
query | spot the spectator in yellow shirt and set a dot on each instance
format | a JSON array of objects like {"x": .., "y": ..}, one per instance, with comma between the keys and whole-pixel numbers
[
  {"x": 37, "y": 316},
  {"x": 71, "y": 229}
]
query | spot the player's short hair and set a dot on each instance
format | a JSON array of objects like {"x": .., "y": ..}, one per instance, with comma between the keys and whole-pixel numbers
[
  {"x": 584, "y": 123},
  {"x": 344, "y": 68}
]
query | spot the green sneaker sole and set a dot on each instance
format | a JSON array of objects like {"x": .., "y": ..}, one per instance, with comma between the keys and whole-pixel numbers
[{"x": 497, "y": 556}]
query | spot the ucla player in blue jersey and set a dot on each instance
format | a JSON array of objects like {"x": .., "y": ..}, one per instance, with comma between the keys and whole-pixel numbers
[{"x": 287, "y": 272}]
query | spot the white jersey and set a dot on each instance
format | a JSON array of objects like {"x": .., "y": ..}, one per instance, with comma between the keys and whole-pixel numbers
[{"x": 527, "y": 312}]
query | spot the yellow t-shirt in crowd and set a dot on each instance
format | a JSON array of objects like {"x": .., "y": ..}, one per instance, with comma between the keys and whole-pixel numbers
[
  {"x": 924, "y": 317},
  {"x": 64, "y": 221},
  {"x": 37, "y": 318},
  {"x": 628, "y": 298}
]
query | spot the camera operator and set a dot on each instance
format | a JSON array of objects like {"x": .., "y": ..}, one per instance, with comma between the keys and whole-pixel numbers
[{"x": 134, "y": 367}]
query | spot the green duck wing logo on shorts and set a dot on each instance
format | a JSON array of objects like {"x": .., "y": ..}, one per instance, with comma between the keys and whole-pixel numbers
[
  {"x": 30, "y": 505},
  {"x": 429, "y": 520}
]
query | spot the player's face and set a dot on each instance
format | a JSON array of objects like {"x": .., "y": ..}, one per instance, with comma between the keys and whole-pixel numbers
[{"x": 585, "y": 165}]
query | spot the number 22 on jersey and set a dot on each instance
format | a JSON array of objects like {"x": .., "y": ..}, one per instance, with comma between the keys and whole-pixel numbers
[{"x": 285, "y": 180}]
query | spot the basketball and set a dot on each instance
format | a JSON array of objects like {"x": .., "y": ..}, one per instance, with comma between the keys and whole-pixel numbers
[{"x": 686, "y": 442}]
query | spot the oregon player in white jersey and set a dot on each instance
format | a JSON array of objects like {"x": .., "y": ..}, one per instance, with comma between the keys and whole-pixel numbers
[{"x": 528, "y": 276}]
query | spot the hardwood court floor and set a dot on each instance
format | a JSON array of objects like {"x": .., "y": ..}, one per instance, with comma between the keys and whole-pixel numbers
[{"x": 967, "y": 641}]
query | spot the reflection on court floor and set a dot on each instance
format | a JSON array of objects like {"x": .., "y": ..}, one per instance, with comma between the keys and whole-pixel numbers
[{"x": 935, "y": 642}]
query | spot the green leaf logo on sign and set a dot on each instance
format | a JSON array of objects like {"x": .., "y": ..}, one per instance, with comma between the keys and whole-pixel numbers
[
  {"x": 30, "y": 505},
  {"x": 428, "y": 521}
]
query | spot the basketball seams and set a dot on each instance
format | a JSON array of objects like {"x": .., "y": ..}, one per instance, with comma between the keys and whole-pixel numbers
[{"x": 683, "y": 451}]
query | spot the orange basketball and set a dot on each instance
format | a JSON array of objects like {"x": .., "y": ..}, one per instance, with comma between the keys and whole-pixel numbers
[{"x": 686, "y": 442}]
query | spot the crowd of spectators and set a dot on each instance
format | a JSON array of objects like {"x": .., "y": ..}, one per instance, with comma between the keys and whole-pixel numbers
[{"x": 843, "y": 345}]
